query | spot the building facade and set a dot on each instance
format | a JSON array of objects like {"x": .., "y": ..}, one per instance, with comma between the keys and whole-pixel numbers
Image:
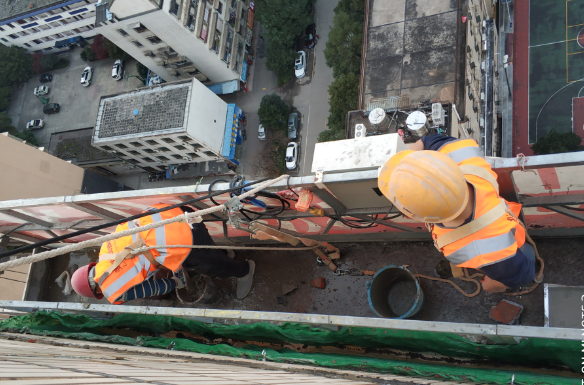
[
  {"x": 176, "y": 39},
  {"x": 39, "y": 25},
  {"x": 169, "y": 124}
]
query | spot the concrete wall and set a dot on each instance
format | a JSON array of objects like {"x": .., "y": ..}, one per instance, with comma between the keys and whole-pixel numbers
[
  {"x": 207, "y": 117},
  {"x": 174, "y": 32},
  {"x": 30, "y": 173},
  {"x": 67, "y": 26}
]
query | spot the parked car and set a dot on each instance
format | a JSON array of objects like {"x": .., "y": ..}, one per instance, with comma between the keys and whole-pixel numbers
[
  {"x": 86, "y": 76},
  {"x": 310, "y": 36},
  {"x": 300, "y": 64},
  {"x": 291, "y": 155},
  {"x": 118, "y": 69},
  {"x": 51, "y": 108},
  {"x": 293, "y": 125},
  {"x": 35, "y": 124},
  {"x": 46, "y": 78},
  {"x": 41, "y": 90},
  {"x": 261, "y": 133}
]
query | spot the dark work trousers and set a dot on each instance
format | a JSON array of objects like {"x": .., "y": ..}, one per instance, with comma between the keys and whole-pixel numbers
[{"x": 211, "y": 262}]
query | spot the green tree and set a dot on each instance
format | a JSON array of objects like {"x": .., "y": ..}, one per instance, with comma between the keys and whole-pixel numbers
[
  {"x": 284, "y": 20},
  {"x": 555, "y": 142},
  {"x": 15, "y": 65},
  {"x": 48, "y": 61},
  {"x": 87, "y": 54},
  {"x": 142, "y": 70},
  {"x": 5, "y": 92},
  {"x": 28, "y": 136},
  {"x": 6, "y": 123},
  {"x": 280, "y": 59},
  {"x": 344, "y": 45},
  {"x": 273, "y": 112},
  {"x": 343, "y": 97},
  {"x": 114, "y": 51},
  {"x": 354, "y": 8}
]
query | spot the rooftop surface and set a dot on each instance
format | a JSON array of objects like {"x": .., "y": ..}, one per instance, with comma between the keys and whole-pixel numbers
[
  {"x": 146, "y": 110},
  {"x": 12, "y": 8},
  {"x": 76, "y": 145},
  {"x": 411, "y": 50}
]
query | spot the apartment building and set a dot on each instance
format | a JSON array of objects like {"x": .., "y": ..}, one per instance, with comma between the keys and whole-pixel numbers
[
  {"x": 169, "y": 124},
  {"x": 38, "y": 25},
  {"x": 204, "y": 39},
  {"x": 482, "y": 76}
]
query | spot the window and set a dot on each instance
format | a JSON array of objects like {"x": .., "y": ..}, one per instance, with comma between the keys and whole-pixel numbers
[
  {"x": 209, "y": 153},
  {"x": 185, "y": 138},
  {"x": 140, "y": 28},
  {"x": 220, "y": 8},
  {"x": 148, "y": 151},
  {"x": 4, "y": 40},
  {"x": 150, "y": 169},
  {"x": 136, "y": 144},
  {"x": 47, "y": 38},
  {"x": 36, "y": 41},
  {"x": 167, "y": 140},
  {"x": 196, "y": 146},
  {"x": 180, "y": 147},
  {"x": 10, "y": 25},
  {"x": 152, "y": 142},
  {"x": 192, "y": 155},
  {"x": 13, "y": 36},
  {"x": 34, "y": 30},
  {"x": 162, "y": 158},
  {"x": 23, "y": 33},
  {"x": 106, "y": 148},
  {"x": 1, "y": 29},
  {"x": 48, "y": 48},
  {"x": 137, "y": 43},
  {"x": 26, "y": 44},
  {"x": 57, "y": 36},
  {"x": 163, "y": 149},
  {"x": 120, "y": 145},
  {"x": 133, "y": 152},
  {"x": 122, "y": 32},
  {"x": 177, "y": 156},
  {"x": 154, "y": 39},
  {"x": 148, "y": 159}
]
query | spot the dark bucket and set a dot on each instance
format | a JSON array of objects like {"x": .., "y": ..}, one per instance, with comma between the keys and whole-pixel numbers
[{"x": 394, "y": 292}]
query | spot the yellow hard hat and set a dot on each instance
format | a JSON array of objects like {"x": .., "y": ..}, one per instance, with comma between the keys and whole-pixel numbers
[{"x": 427, "y": 186}]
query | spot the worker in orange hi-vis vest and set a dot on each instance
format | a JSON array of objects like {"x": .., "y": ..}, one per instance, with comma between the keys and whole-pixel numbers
[
  {"x": 446, "y": 183},
  {"x": 120, "y": 276}
]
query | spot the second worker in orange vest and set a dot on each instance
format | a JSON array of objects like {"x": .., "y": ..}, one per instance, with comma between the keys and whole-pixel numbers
[
  {"x": 119, "y": 276},
  {"x": 446, "y": 183}
]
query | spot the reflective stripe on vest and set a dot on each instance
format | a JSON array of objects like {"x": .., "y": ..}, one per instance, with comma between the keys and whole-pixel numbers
[
  {"x": 160, "y": 239},
  {"x": 133, "y": 276},
  {"x": 499, "y": 238}
]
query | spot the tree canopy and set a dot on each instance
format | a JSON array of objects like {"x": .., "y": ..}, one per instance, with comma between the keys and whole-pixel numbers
[
  {"x": 49, "y": 61},
  {"x": 557, "y": 142},
  {"x": 5, "y": 92},
  {"x": 273, "y": 112},
  {"x": 15, "y": 65},
  {"x": 6, "y": 123},
  {"x": 344, "y": 45},
  {"x": 284, "y": 21},
  {"x": 114, "y": 51},
  {"x": 343, "y": 96}
]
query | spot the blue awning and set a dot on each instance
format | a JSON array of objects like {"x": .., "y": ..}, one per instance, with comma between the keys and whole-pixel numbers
[
  {"x": 243, "y": 76},
  {"x": 224, "y": 88},
  {"x": 231, "y": 132}
]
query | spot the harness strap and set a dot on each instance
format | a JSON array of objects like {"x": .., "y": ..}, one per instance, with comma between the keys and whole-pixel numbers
[
  {"x": 469, "y": 169},
  {"x": 123, "y": 255},
  {"x": 472, "y": 227}
]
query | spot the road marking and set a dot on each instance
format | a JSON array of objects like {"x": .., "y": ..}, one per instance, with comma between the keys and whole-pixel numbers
[{"x": 306, "y": 144}]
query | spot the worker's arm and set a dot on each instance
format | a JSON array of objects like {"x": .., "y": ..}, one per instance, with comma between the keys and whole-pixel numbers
[
  {"x": 418, "y": 146},
  {"x": 431, "y": 142}
]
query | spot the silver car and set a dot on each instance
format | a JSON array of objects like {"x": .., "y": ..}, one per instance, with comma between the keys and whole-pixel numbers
[
  {"x": 86, "y": 76},
  {"x": 41, "y": 90},
  {"x": 293, "y": 125},
  {"x": 35, "y": 124},
  {"x": 261, "y": 132}
]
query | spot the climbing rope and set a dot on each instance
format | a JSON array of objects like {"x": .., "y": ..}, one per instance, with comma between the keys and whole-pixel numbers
[
  {"x": 465, "y": 278},
  {"x": 100, "y": 240},
  {"x": 140, "y": 250}
]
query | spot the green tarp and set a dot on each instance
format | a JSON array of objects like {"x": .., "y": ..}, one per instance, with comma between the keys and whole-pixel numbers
[{"x": 536, "y": 353}]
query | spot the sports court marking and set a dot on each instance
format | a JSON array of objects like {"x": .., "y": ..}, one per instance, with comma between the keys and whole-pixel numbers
[{"x": 574, "y": 43}]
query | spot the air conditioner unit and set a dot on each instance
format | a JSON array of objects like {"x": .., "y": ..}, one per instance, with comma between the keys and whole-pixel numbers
[
  {"x": 482, "y": 122},
  {"x": 438, "y": 114},
  {"x": 360, "y": 131},
  {"x": 482, "y": 96},
  {"x": 484, "y": 45},
  {"x": 484, "y": 36},
  {"x": 483, "y": 66}
]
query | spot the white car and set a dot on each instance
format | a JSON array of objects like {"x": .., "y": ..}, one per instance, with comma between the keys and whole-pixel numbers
[
  {"x": 291, "y": 155},
  {"x": 41, "y": 90},
  {"x": 118, "y": 69},
  {"x": 86, "y": 76},
  {"x": 261, "y": 133},
  {"x": 300, "y": 64},
  {"x": 35, "y": 124}
]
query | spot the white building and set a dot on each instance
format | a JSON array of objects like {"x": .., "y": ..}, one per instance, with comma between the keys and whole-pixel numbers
[
  {"x": 38, "y": 25},
  {"x": 168, "y": 124},
  {"x": 205, "y": 39}
]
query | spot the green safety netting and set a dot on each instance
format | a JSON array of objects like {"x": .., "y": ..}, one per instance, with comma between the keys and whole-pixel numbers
[{"x": 535, "y": 352}]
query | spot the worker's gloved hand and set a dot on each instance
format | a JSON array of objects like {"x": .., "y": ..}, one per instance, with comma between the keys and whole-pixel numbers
[{"x": 179, "y": 278}]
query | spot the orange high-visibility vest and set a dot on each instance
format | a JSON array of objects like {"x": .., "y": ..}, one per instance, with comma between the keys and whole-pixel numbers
[
  {"x": 496, "y": 241},
  {"x": 137, "y": 269}
]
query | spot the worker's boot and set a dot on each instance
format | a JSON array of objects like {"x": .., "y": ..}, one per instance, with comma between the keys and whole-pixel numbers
[{"x": 244, "y": 283}]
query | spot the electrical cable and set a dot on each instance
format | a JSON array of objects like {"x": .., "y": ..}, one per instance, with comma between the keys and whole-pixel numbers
[{"x": 119, "y": 221}]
